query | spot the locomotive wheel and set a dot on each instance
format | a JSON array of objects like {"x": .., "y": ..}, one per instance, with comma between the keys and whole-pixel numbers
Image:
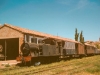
[{"x": 1, "y": 48}]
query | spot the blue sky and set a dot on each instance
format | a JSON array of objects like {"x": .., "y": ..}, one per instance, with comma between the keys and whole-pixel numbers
[{"x": 54, "y": 16}]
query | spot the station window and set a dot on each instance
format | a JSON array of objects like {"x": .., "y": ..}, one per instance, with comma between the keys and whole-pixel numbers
[
  {"x": 33, "y": 40},
  {"x": 26, "y": 38}
]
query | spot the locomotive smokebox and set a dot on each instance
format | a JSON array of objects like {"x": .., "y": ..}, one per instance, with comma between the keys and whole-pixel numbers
[{"x": 26, "y": 48}]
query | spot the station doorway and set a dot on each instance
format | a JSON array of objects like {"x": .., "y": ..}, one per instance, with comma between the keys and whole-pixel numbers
[{"x": 10, "y": 48}]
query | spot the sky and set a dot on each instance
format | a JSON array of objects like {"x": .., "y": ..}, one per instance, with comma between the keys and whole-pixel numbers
[{"x": 56, "y": 17}]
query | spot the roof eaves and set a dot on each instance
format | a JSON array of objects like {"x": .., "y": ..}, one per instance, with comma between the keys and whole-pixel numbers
[{"x": 13, "y": 27}]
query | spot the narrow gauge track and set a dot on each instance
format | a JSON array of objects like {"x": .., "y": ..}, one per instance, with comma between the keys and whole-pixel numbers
[
  {"x": 34, "y": 71},
  {"x": 18, "y": 68},
  {"x": 72, "y": 71},
  {"x": 40, "y": 70}
]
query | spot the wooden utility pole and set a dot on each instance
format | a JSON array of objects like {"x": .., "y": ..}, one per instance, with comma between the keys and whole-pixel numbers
[{"x": 5, "y": 49}]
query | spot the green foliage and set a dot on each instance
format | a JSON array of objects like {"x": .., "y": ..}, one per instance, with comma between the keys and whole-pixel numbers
[
  {"x": 81, "y": 37},
  {"x": 94, "y": 69},
  {"x": 76, "y": 35},
  {"x": 97, "y": 45}
]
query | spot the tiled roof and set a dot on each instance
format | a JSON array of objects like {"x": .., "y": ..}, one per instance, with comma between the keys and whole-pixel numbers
[{"x": 27, "y": 31}]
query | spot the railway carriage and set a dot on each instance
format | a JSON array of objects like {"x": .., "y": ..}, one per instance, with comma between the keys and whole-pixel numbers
[
  {"x": 97, "y": 51},
  {"x": 80, "y": 49},
  {"x": 89, "y": 49},
  {"x": 69, "y": 48},
  {"x": 73, "y": 49}
]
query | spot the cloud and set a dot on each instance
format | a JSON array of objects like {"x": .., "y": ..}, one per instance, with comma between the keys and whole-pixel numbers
[
  {"x": 82, "y": 3},
  {"x": 66, "y": 2},
  {"x": 74, "y": 5}
]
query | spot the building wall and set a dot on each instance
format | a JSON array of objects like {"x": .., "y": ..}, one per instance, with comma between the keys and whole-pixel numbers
[
  {"x": 7, "y": 32},
  {"x": 20, "y": 43}
]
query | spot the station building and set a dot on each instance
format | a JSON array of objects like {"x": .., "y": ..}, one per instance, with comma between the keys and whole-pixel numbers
[{"x": 12, "y": 37}]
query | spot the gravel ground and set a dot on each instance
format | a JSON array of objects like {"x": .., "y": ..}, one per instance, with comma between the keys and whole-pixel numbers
[{"x": 10, "y": 62}]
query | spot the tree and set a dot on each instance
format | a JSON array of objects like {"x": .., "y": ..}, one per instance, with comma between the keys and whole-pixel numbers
[
  {"x": 76, "y": 35},
  {"x": 83, "y": 40},
  {"x": 81, "y": 37},
  {"x": 97, "y": 45}
]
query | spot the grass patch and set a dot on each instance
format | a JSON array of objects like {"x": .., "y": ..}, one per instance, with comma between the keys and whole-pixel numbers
[
  {"x": 93, "y": 70},
  {"x": 57, "y": 71},
  {"x": 7, "y": 65},
  {"x": 89, "y": 65}
]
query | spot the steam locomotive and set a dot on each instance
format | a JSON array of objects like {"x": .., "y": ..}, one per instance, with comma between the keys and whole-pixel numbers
[{"x": 53, "y": 50}]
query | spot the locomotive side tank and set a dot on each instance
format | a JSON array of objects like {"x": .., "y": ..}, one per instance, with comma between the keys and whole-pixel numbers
[{"x": 50, "y": 47}]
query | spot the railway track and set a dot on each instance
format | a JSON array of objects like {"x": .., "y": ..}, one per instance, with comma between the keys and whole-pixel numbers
[
  {"x": 68, "y": 70},
  {"x": 44, "y": 70},
  {"x": 72, "y": 71},
  {"x": 53, "y": 69},
  {"x": 41, "y": 71},
  {"x": 32, "y": 71}
]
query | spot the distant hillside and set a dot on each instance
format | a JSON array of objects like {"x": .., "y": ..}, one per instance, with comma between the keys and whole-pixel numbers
[{"x": 96, "y": 43}]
